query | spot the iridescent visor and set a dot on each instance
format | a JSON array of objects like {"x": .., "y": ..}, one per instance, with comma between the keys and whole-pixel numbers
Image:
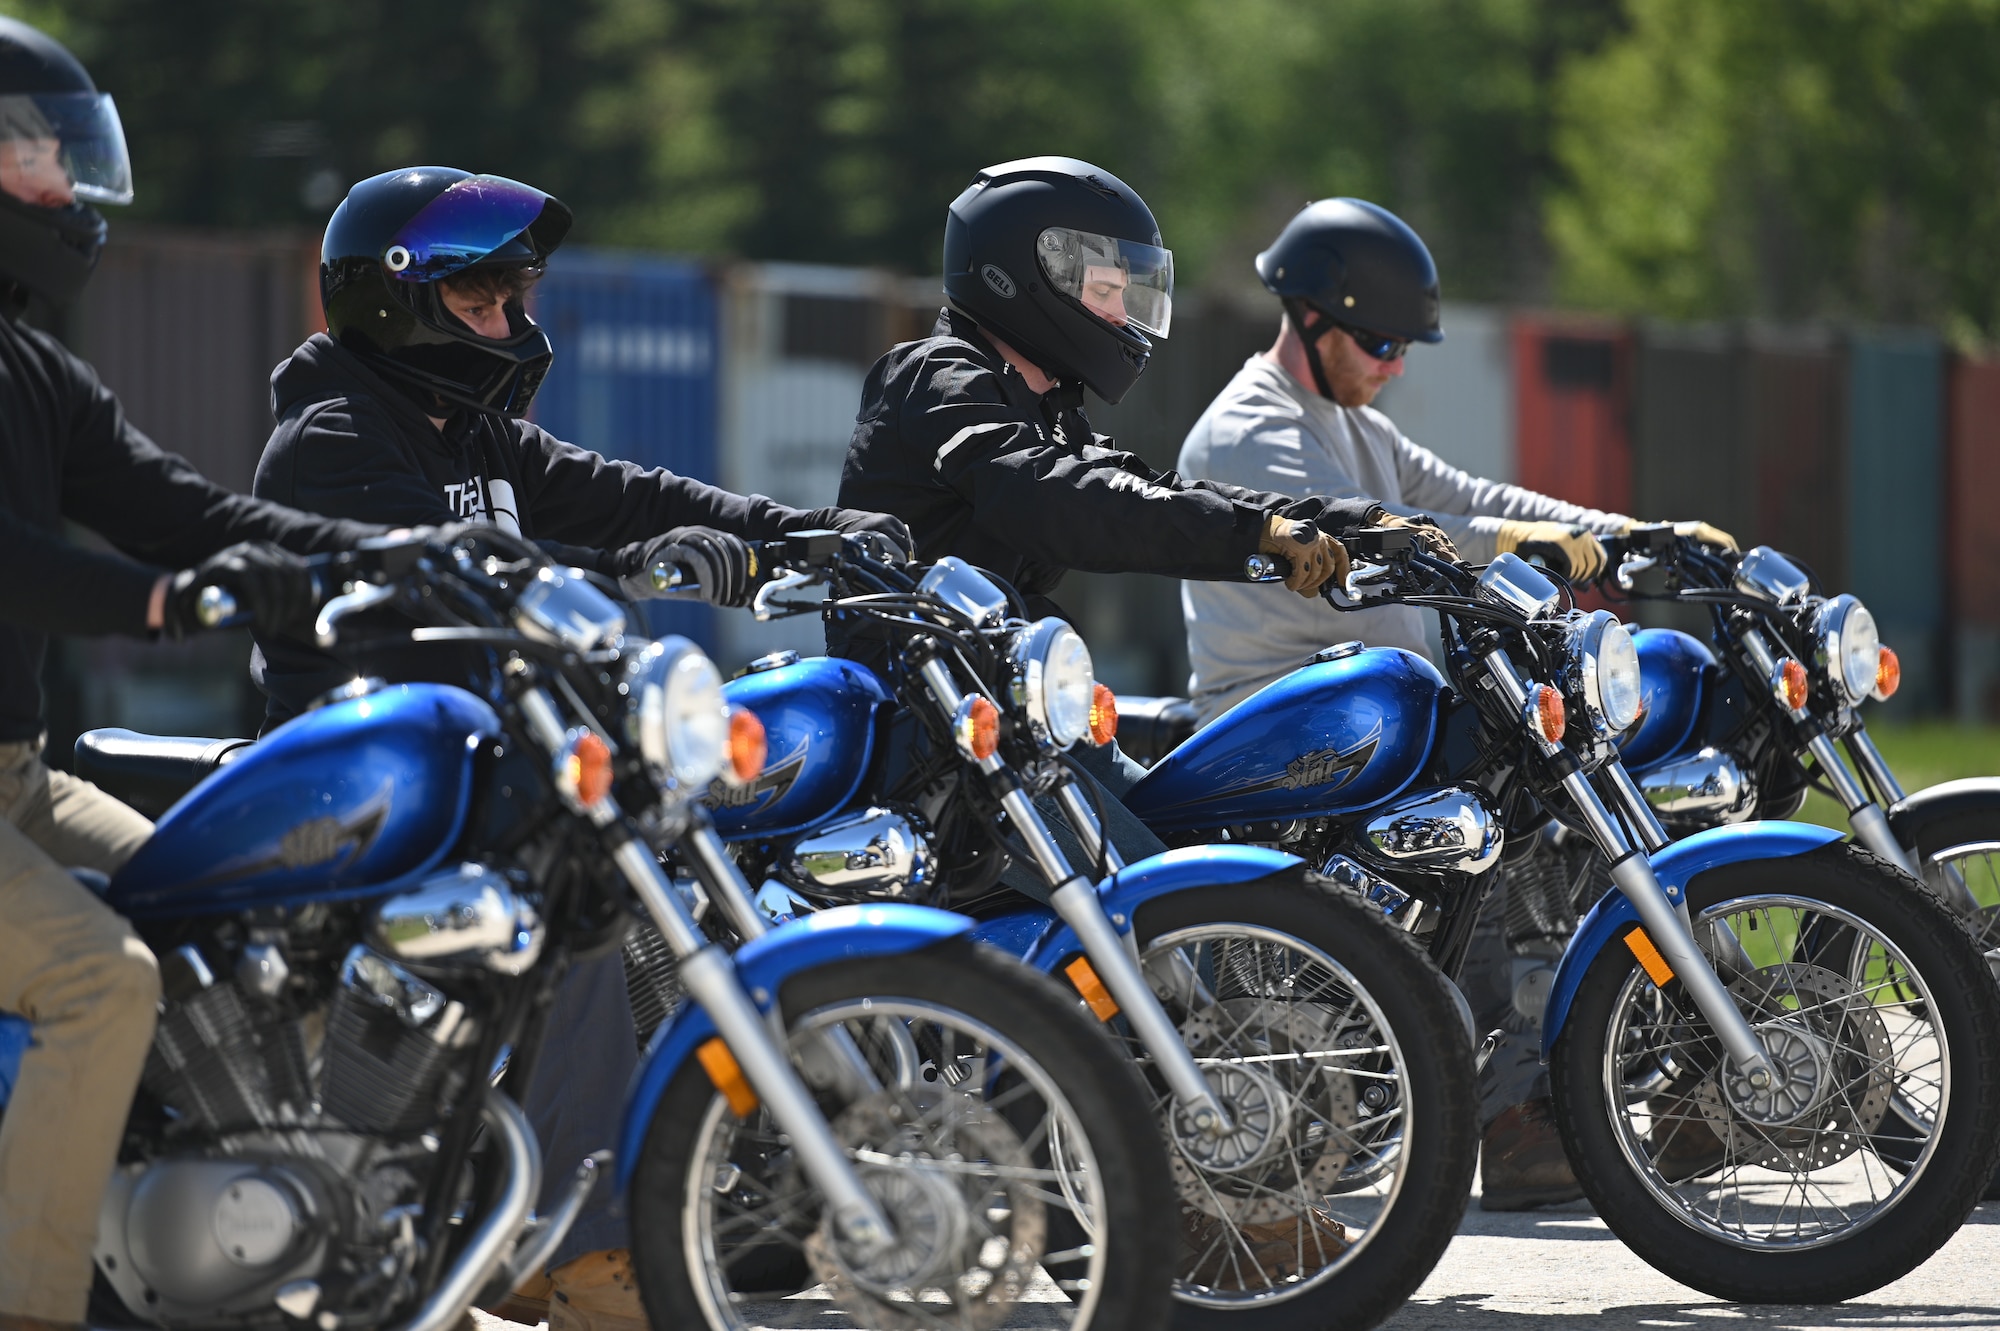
[
  {"x": 461, "y": 226},
  {"x": 1120, "y": 281},
  {"x": 74, "y": 135}
]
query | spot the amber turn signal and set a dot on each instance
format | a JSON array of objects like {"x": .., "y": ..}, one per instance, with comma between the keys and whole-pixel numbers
[
  {"x": 1549, "y": 717},
  {"x": 747, "y": 747},
  {"x": 1789, "y": 684},
  {"x": 1888, "y": 676},
  {"x": 977, "y": 728},
  {"x": 587, "y": 769},
  {"x": 1103, "y": 715},
  {"x": 726, "y": 1075}
]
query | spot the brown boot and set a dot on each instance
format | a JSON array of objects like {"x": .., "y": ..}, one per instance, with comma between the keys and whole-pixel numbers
[
  {"x": 1275, "y": 1248},
  {"x": 527, "y": 1305},
  {"x": 1522, "y": 1164},
  {"x": 16, "y": 1322},
  {"x": 596, "y": 1292},
  {"x": 1684, "y": 1145}
]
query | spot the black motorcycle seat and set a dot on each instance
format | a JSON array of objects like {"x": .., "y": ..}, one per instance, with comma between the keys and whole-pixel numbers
[
  {"x": 151, "y": 772},
  {"x": 1151, "y": 728}
]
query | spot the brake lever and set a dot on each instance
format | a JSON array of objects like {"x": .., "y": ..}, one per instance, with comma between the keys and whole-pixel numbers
[
  {"x": 1634, "y": 562},
  {"x": 765, "y": 606},
  {"x": 365, "y": 596}
]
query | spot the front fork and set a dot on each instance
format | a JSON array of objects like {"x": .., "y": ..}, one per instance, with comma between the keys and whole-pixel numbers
[
  {"x": 1662, "y": 908},
  {"x": 712, "y": 981},
  {"x": 1076, "y": 900}
]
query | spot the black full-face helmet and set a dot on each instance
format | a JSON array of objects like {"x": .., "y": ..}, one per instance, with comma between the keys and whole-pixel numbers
[
  {"x": 1063, "y": 262},
  {"x": 390, "y": 245},
  {"x": 61, "y": 150},
  {"x": 1352, "y": 264}
]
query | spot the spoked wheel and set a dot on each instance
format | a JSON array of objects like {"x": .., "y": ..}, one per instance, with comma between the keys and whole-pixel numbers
[
  {"x": 1339, "y": 1052},
  {"x": 1872, "y": 1146},
  {"x": 990, "y": 1116}
]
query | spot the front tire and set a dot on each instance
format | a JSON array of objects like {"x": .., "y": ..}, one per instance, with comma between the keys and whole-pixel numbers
[
  {"x": 988, "y": 1072},
  {"x": 1838, "y": 1198},
  {"x": 1323, "y": 1010}
]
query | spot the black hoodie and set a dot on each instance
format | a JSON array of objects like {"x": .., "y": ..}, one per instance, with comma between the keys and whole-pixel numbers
[{"x": 348, "y": 444}]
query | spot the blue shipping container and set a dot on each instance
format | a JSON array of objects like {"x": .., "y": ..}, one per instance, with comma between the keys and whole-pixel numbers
[
  {"x": 637, "y": 350},
  {"x": 1895, "y": 497}
]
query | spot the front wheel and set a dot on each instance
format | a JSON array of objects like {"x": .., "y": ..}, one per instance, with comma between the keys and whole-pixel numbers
[
  {"x": 1875, "y": 1146},
  {"x": 1000, "y": 1118},
  {"x": 1340, "y": 1053}
]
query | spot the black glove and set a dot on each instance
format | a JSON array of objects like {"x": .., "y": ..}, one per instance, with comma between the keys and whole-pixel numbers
[
  {"x": 718, "y": 563},
  {"x": 885, "y": 525},
  {"x": 270, "y": 585}
]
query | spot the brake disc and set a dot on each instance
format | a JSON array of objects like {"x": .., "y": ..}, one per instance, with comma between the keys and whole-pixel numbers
[
  {"x": 1293, "y": 1111},
  {"x": 1847, "y": 1040},
  {"x": 977, "y": 1234}
]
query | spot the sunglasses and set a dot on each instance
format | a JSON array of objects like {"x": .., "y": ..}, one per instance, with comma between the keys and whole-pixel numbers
[{"x": 1375, "y": 344}]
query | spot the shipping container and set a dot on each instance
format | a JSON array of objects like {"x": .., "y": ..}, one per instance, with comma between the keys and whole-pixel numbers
[
  {"x": 1573, "y": 409},
  {"x": 1895, "y": 508},
  {"x": 635, "y": 374},
  {"x": 798, "y": 341},
  {"x": 1972, "y": 535},
  {"x": 1796, "y": 403},
  {"x": 1689, "y": 459},
  {"x": 1456, "y": 397}
]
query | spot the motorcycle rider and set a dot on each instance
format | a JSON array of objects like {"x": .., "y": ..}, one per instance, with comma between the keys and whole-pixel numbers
[
  {"x": 410, "y": 410},
  {"x": 1358, "y": 287},
  {"x": 73, "y": 968}
]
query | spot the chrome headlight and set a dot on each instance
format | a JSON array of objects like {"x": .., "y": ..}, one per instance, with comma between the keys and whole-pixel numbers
[
  {"x": 1605, "y": 666},
  {"x": 1057, "y": 681},
  {"x": 1847, "y": 647},
  {"x": 678, "y": 717}
]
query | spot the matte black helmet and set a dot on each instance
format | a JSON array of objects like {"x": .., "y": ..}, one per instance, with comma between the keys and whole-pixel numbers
[
  {"x": 393, "y": 240},
  {"x": 61, "y": 150},
  {"x": 1063, "y": 262},
  {"x": 1351, "y": 263}
]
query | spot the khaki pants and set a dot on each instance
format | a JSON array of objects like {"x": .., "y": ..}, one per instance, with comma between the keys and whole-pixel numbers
[{"x": 90, "y": 988}]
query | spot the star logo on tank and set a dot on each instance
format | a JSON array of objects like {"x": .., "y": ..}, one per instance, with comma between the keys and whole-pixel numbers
[
  {"x": 996, "y": 277},
  {"x": 1330, "y": 767},
  {"x": 775, "y": 781},
  {"x": 317, "y": 841}
]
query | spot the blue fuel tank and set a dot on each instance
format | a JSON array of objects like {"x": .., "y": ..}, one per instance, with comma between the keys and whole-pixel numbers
[
  {"x": 819, "y": 730},
  {"x": 350, "y": 800},
  {"x": 1330, "y": 738},
  {"x": 1673, "y": 668}
]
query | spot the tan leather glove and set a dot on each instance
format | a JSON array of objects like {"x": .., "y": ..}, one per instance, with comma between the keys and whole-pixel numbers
[
  {"x": 1314, "y": 562},
  {"x": 1578, "y": 543},
  {"x": 1429, "y": 536},
  {"x": 1700, "y": 531}
]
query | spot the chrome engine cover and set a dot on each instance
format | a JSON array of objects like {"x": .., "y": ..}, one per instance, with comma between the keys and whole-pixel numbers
[
  {"x": 877, "y": 854},
  {"x": 468, "y": 915},
  {"x": 1707, "y": 788},
  {"x": 1447, "y": 829},
  {"x": 197, "y": 1239}
]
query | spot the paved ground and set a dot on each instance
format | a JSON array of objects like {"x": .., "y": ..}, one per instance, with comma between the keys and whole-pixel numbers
[{"x": 1556, "y": 1269}]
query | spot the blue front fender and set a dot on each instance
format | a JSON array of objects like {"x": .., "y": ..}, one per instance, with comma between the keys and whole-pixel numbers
[
  {"x": 1136, "y": 884},
  {"x": 840, "y": 934},
  {"x": 1676, "y": 866}
]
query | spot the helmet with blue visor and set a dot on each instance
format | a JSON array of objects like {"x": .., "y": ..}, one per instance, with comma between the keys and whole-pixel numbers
[{"x": 393, "y": 246}]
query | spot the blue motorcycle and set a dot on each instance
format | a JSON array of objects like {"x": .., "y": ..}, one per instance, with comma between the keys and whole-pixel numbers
[
  {"x": 361, "y": 920},
  {"x": 1310, "y": 1073},
  {"x": 1771, "y": 1059}
]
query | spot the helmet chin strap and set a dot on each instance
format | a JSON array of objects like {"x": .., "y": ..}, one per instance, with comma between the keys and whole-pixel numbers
[{"x": 1310, "y": 325}]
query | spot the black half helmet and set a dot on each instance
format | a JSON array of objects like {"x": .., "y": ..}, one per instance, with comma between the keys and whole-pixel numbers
[
  {"x": 62, "y": 147},
  {"x": 1356, "y": 264},
  {"x": 390, "y": 244},
  {"x": 1063, "y": 261}
]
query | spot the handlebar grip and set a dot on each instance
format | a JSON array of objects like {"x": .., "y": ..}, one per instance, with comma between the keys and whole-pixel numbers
[
  {"x": 1545, "y": 554},
  {"x": 217, "y": 609}
]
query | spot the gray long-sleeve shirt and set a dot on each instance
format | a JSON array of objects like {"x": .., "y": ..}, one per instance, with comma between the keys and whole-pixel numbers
[{"x": 1269, "y": 432}]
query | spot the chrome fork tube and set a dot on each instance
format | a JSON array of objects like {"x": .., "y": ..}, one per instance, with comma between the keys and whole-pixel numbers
[
  {"x": 1870, "y": 824},
  {"x": 1083, "y": 820},
  {"x": 1077, "y": 902},
  {"x": 1638, "y": 814},
  {"x": 1862, "y": 746},
  {"x": 712, "y": 980},
  {"x": 1662, "y": 909}
]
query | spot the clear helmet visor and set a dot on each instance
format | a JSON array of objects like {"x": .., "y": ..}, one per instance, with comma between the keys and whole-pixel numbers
[
  {"x": 59, "y": 148},
  {"x": 1120, "y": 281}
]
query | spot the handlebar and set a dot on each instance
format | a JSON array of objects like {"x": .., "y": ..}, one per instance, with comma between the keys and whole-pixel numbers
[{"x": 1367, "y": 543}]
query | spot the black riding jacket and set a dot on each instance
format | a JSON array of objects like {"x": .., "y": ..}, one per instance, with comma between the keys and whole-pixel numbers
[
  {"x": 952, "y": 440},
  {"x": 349, "y": 444},
  {"x": 67, "y": 452}
]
